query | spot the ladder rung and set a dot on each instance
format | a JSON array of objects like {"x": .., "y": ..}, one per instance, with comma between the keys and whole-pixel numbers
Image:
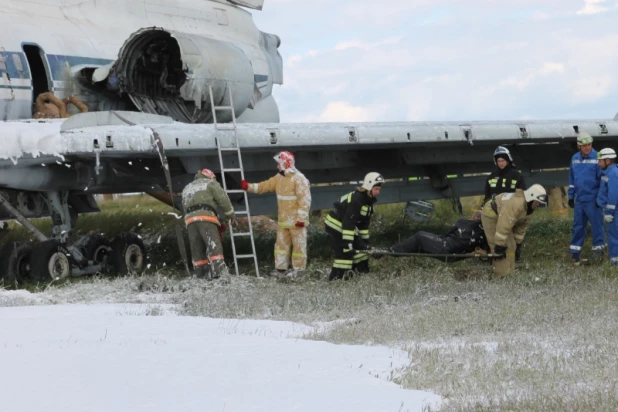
[
  {"x": 233, "y": 170},
  {"x": 235, "y": 191},
  {"x": 229, "y": 149},
  {"x": 242, "y": 234},
  {"x": 245, "y": 256},
  {"x": 223, "y": 107},
  {"x": 225, "y": 126}
]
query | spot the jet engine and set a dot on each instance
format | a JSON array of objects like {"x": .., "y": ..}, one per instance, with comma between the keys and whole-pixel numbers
[{"x": 170, "y": 73}]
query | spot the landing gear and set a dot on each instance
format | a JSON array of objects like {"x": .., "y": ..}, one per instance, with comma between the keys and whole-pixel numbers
[{"x": 56, "y": 258}]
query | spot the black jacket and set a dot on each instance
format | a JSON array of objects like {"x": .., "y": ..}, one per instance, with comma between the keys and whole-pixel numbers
[
  {"x": 503, "y": 181},
  {"x": 350, "y": 214},
  {"x": 465, "y": 235}
]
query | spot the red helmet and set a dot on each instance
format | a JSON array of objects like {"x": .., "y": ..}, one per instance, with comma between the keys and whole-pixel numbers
[
  {"x": 286, "y": 160},
  {"x": 208, "y": 173}
]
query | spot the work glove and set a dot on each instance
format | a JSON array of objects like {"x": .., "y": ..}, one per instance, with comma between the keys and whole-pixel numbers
[
  {"x": 244, "y": 185},
  {"x": 222, "y": 228},
  {"x": 571, "y": 203},
  {"x": 500, "y": 250},
  {"x": 300, "y": 224},
  {"x": 518, "y": 253},
  {"x": 608, "y": 218}
]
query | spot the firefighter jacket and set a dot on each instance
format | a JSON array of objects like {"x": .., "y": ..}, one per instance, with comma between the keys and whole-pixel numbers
[
  {"x": 465, "y": 236},
  {"x": 293, "y": 196},
  {"x": 512, "y": 214},
  {"x": 584, "y": 177},
  {"x": 611, "y": 189},
  {"x": 202, "y": 197},
  {"x": 351, "y": 215},
  {"x": 505, "y": 180}
]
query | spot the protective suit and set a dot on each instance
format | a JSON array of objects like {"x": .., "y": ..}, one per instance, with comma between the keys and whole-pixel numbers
[
  {"x": 607, "y": 199},
  {"x": 503, "y": 180},
  {"x": 505, "y": 219},
  {"x": 465, "y": 236},
  {"x": 348, "y": 227},
  {"x": 584, "y": 182},
  {"x": 293, "y": 203},
  {"x": 200, "y": 200}
]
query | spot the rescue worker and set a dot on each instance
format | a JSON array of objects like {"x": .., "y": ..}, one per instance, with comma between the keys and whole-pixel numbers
[
  {"x": 505, "y": 219},
  {"x": 465, "y": 236},
  {"x": 348, "y": 226},
  {"x": 584, "y": 182},
  {"x": 293, "y": 202},
  {"x": 200, "y": 201},
  {"x": 607, "y": 199},
  {"x": 505, "y": 178}
]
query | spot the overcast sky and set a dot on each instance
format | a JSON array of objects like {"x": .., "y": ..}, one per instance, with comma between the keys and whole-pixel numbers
[{"x": 388, "y": 60}]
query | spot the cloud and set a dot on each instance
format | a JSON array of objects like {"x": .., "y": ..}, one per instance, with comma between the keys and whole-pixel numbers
[{"x": 593, "y": 7}]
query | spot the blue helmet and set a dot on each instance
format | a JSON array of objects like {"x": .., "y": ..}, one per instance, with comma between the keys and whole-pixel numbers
[{"x": 504, "y": 153}]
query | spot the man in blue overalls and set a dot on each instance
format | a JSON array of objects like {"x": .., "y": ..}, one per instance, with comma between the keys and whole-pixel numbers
[
  {"x": 584, "y": 181},
  {"x": 608, "y": 198}
]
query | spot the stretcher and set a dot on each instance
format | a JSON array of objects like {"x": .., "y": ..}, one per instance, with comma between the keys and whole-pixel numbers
[{"x": 457, "y": 256}]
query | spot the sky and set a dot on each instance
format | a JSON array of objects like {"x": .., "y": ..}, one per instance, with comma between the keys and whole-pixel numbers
[
  {"x": 432, "y": 60},
  {"x": 112, "y": 357}
]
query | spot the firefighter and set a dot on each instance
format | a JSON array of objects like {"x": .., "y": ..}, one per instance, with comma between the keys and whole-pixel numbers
[
  {"x": 293, "y": 202},
  {"x": 584, "y": 182},
  {"x": 607, "y": 199},
  {"x": 504, "y": 219},
  {"x": 348, "y": 227},
  {"x": 505, "y": 178},
  {"x": 465, "y": 236},
  {"x": 200, "y": 201}
]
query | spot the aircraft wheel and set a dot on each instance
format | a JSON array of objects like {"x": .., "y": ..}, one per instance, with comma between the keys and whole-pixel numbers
[
  {"x": 97, "y": 249},
  {"x": 128, "y": 253},
  {"x": 51, "y": 260},
  {"x": 15, "y": 262}
]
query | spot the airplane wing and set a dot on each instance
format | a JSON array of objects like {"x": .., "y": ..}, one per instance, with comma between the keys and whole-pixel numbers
[{"x": 113, "y": 152}]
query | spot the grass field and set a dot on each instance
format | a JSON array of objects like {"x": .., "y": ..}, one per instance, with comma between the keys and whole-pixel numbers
[{"x": 543, "y": 339}]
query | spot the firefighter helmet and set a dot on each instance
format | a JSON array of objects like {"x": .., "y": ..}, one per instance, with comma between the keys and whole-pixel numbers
[
  {"x": 607, "y": 153},
  {"x": 584, "y": 138},
  {"x": 208, "y": 173},
  {"x": 285, "y": 160},
  {"x": 536, "y": 193},
  {"x": 502, "y": 152},
  {"x": 372, "y": 179}
]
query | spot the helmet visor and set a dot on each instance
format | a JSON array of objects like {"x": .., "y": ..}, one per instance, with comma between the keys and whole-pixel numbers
[{"x": 542, "y": 199}]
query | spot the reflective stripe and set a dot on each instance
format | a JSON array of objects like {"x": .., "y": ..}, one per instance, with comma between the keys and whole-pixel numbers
[
  {"x": 280, "y": 197},
  {"x": 605, "y": 178},
  {"x": 253, "y": 187},
  {"x": 282, "y": 252},
  {"x": 229, "y": 212},
  {"x": 611, "y": 207},
  {"x": 216, "y": 257},
  {"x": 501, "y": 236},
  {"x": 200, "y": 262},
  {"x": 573, "y": 247},
  {"x": 364, "y": 210},
  {"x": 572, "y": 187},
  {"x": 298, "y": 255},
  {"x": 518, "y": 237},
  {"x": 601, "y": 247},
  {"x": 359, "y": 257},
  {"x": 202, "y": 218},
  {"x": 348, "y": 234},
  {"x": 287, "y": 225},
  {"x": 585, "y": 161},
  {"x": 332, "y": 225},
  {"x": 343, "y": 264},
  {"x": 614, "y": 259}
]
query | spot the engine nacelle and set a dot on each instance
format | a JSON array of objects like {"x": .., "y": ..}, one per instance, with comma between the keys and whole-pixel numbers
[{"x": 169, "y": 73}]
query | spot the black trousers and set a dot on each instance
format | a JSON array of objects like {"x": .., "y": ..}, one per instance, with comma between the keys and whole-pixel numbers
[
  {"x": 425, "y": 242},
  {"x": 346, "y": 259}
]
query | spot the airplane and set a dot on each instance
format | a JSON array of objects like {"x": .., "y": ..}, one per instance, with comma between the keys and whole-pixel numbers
[{"x": 195, "y": 79}]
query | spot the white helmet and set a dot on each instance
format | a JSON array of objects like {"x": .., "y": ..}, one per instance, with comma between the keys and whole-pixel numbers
[
  {"x": 584, "y": 138},
  {"x": 536, "y": 192},
  {"x": 372, "y": 179},
  {"x": 502, "y": 151},
  {"x": 607, "y": 153}
]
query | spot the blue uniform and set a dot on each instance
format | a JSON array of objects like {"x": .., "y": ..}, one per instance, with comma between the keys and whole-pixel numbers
[
  {"x": 584, "y": 182},
  {"x": 611, "y": 188}
]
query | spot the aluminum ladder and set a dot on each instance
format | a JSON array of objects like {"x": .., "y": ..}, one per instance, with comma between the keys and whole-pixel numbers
[{"x": 222, "y": 129}]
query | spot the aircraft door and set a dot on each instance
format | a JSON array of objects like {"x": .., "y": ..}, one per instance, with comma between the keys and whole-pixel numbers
[{"x": 39, "y": 70}]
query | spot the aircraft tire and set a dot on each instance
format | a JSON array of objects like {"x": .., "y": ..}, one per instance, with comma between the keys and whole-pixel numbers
[
  {"x": 15, "y": 263},
  {"x": 128, "y": 254},
  {"x": 51, "y": 261},
  {"x": 97, "y": 249}
]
